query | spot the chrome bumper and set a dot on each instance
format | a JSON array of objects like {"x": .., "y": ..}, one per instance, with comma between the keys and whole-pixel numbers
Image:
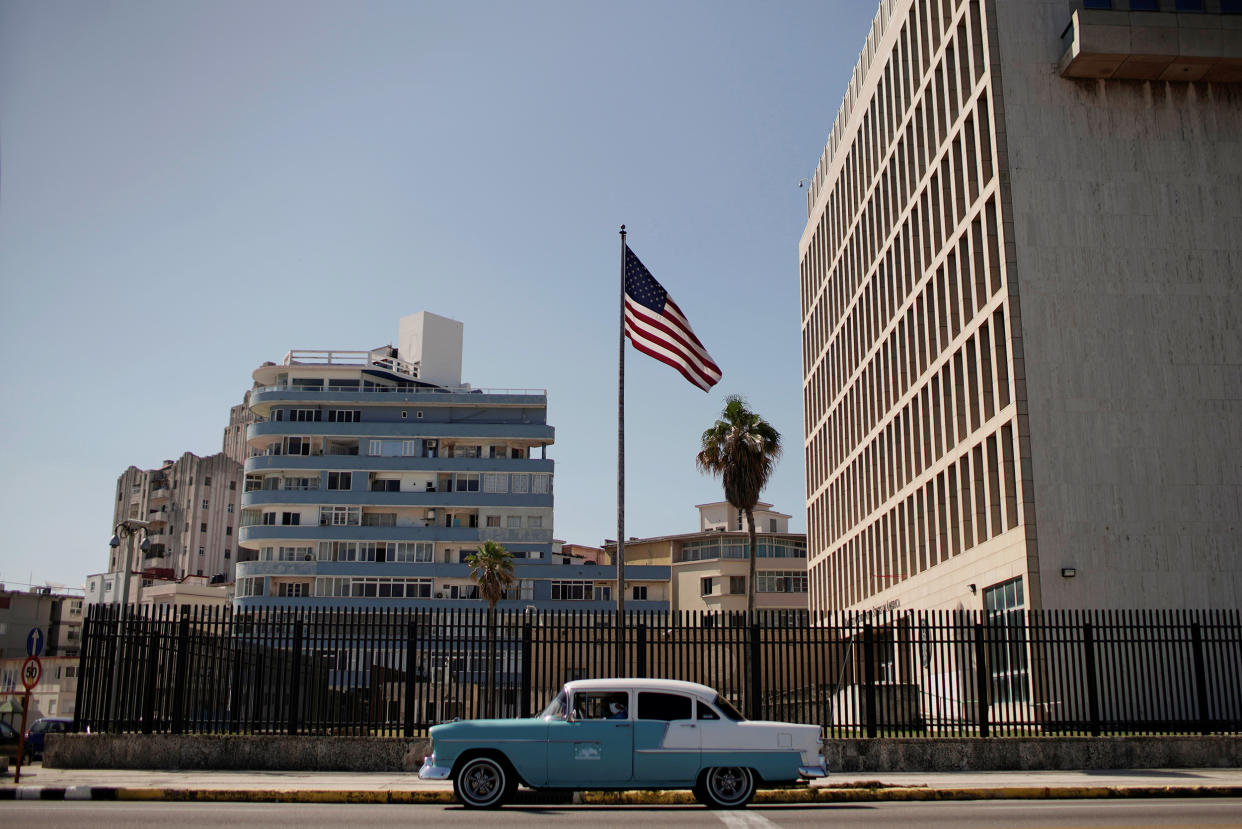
[
  {"x": 820, "y": 769},
  {"x": 430, "y": 771}
]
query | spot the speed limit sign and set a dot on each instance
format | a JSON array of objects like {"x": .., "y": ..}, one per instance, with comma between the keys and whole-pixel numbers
[{"x": 32, "y": 670}]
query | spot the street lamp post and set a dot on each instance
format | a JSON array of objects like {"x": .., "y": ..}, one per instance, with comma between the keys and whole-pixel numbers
[{"x": 127, "y": 529}]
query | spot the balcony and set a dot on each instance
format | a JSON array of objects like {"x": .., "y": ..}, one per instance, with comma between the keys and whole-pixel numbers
[{"x": 1119, "y": 44}]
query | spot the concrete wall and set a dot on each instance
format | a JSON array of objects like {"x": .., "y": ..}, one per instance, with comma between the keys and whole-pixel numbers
[
  {"x": 269, "y": 753},
  {"x": 1126, "y": 199}
]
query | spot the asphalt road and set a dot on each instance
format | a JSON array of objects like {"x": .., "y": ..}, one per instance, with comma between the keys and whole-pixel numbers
[{"x": 1158, "y": 814}]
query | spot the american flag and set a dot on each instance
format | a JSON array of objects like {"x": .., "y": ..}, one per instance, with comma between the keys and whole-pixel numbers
[{"x": 658, "y": 328}]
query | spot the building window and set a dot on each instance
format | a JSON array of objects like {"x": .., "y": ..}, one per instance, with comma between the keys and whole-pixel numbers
[
  {"x": 228, "y": 530},
  {"x": 204, "y": 503},
  {"x": 207, "y": 481},
  {"x": 572, "y": 591},
  {"x": 1003, "y": 604},
  {"x": 340, "y": 480},
  {"x": 602, "y": 593},
  {"x": 535, "y": 522},
  {"x": 202, "y": 551},
  {"x": 737, "y": 585},
  {"x": 514, "y": 522},
  {"x": 340, "y": 516},
  {"x": 202, "y": 527},
  {"x": 295, "y": 589},
  {"x": 639, "y": 593},
  {"x": 232, "y": 487},
  {"x": 229, "y": 508},
  {"x": 705, "y": 586},
  {"x": 228, "y": 554},
  {"x": 344, "y": 415},
  {"x": 467, "y": 482},
  {"x": 291, "y": 519},
  {"x": 1189, "y": 5},
  {"x": 781, "y": 581},
  {"x": 493, "y": 520},
  {"x": 305, "y": 415}
]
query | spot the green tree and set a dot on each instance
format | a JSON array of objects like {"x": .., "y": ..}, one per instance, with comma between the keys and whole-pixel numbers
[
  {"x": 742, "y": 448},
  {"x": 491, "y": 567}
]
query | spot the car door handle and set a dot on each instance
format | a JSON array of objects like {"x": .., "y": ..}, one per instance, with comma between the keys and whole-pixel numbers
[
  {"x": 622, "y": 725},
  {"x": 687, "y": 725}
]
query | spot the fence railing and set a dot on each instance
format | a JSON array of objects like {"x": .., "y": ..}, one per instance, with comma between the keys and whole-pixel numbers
[{"x": 912, "y": 673}]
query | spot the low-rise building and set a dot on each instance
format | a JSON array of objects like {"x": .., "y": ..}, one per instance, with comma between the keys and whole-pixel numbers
[{"x": 709, "y": 569}]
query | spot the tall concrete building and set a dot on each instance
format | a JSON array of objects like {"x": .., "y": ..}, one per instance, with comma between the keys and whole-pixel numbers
[
  {"x": 372, "y": 475},
  {"x": 1021, "y": 310},
  {"x": 192, "y": 505}
]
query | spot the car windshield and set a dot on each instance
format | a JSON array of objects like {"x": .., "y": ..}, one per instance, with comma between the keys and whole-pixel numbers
[
  {"x": 556, "y": 708},
  {"x": 39, "y": 726},
  {"x": 727, "y": 709}
]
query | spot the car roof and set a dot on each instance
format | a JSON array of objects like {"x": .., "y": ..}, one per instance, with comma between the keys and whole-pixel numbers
[{"x": 677, "y": 685}]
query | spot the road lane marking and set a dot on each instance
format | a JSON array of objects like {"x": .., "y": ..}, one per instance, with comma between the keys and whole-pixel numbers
[{"x": 744, "y": 819}]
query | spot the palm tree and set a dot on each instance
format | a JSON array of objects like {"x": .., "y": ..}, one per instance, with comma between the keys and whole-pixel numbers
[
  {"x": 491, "y": 567},
  {"x": 742, "y": 448}
]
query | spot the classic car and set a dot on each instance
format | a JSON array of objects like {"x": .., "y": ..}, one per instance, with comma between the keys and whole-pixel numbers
[{"x": 624, "y": 734}]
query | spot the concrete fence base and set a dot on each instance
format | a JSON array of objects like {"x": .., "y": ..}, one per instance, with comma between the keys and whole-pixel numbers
[{"x": 273, "y": 753}]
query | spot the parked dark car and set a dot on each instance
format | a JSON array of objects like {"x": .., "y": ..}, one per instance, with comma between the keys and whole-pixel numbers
[
  {"x": 43, "y": 726},
  {"x": 8, "y": 741}
]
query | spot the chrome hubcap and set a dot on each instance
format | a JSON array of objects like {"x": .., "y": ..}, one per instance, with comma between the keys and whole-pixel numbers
[
  {"x": 728, "y": 784},
  {"x": 482, "y": 781}
]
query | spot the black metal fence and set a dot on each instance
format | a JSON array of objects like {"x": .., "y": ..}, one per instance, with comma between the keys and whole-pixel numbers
[{"x": 913, "y": 673}]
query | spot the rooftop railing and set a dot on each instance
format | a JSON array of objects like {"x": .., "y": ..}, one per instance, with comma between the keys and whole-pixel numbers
[{"x": 374, "y": 387}]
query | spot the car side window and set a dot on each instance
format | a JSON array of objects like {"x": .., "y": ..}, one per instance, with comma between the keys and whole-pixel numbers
[
  {"x": 653, "y": 705},
  {"x": 705, "y": 711},
  {"x": 601, "y": 705}
]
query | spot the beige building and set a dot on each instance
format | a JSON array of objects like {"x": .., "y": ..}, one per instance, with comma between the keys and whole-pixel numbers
[
  {"x": 58, "y": 618},
  {"x": 1021, "y": 306},
  {"x": 708, "y": 569},
  {"x": 193, "y": 507}
]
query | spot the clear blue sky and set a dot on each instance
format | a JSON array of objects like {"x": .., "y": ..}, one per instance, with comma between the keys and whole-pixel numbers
[{"x": 190, "y": 189}]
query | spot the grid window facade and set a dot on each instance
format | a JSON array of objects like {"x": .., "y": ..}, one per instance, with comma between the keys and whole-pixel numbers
[{"x": 907, "y": 336}]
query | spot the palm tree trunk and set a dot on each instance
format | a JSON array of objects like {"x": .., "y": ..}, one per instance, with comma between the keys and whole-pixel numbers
[{"x": 751, "y": 587}]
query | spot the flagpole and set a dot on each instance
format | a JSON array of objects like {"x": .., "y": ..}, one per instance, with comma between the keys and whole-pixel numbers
[{"x": 620, "y": 589}]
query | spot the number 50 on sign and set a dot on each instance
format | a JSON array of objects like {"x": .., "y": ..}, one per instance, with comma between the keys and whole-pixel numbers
[{"x": 32, "y": 670}]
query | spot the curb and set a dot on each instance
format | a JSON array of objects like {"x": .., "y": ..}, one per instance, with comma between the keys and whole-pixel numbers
[{"x": 621, "y": 798}]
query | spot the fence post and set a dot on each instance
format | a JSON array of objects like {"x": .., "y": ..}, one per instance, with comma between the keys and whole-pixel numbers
[
  {"x": 85, "y": 679},
  {"x": 869, "y": 712},
  {"x": 1196, "y": 638},
  {"x": 183, "y": 654},
  {"x": 981, "y": 678},
  {"x": 148, "y": 693},
  {"x": 295, "y": 678},
  {"x": 1093, "y": 692},
  {"x": 528, "y": 639},
  {"x": 640, "y": 642},
  {"x": 411, "y": 658},
  {"x": 754, "y": 671}
]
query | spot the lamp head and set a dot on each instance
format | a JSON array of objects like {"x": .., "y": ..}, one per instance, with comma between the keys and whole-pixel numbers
[{"x": 114, "y": 543}]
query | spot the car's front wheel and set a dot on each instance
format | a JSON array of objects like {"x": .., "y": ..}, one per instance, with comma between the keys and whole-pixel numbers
[
  {"x": 481, "y": 783},
  {"x": 726, "y": 787}
]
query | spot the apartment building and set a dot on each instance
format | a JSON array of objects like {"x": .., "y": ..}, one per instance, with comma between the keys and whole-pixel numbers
[
  {"x": 1022, "y": 372},
  {"x": 192, "y": 506},
  {"x": 373, "y": 475},
  {"x": 58, "y": 618},
  {"x": 708, "y": 570}
]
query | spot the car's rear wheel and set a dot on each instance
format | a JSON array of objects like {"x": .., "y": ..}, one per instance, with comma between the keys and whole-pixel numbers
[
  {"x": 726, "y": 787},
  {"x": 482, "y": 783}
]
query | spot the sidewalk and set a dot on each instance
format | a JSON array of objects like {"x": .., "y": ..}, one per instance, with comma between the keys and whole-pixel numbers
[{"x": 392, "y": 787}]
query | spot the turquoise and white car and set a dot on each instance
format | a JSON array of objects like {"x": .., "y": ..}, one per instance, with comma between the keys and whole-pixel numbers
[{"x": 625, "y": 734}]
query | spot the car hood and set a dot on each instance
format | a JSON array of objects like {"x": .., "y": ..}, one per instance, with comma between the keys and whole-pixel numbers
[{"x": 488, "y": 729}]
